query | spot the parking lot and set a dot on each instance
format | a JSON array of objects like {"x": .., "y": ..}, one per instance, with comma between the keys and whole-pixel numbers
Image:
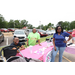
[{"x": 7, "y": 41}]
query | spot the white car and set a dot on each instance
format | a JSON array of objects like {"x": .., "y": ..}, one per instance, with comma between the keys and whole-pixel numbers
[
  {"x": 52, "y": 32},
  {"x": 20, "y": 34},
  {"x": 48, "y": 32}
]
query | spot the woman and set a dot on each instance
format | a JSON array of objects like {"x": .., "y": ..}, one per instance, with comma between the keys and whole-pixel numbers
[
  {"x": 59, "y": 42},
  {"x": 73, "y": 34}
]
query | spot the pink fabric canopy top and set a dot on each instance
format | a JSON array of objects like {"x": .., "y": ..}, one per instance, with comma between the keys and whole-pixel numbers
[{"x": 70, "y": 49}]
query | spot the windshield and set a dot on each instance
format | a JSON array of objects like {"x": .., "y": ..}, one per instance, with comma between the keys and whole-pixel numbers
[
  {"x": 41, "y": 31},
  {"x": 70, "y": 30},
  {"x": 52, "y": 30},
  {"x": 30, "y": 30},
  {"x": 48, "y": 31},
  {"x": 12, "y": 28},
  {"x": 19, "y": 32},
  {"x": 4, "y": 28}
]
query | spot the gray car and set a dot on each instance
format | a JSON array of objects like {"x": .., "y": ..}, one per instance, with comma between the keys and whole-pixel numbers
[
  {"x": 28, "y": 31},
  {"x": 1, "y": 37}
]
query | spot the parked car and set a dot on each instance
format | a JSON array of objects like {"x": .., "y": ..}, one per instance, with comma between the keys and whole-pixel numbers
[
  {"x": 28, "y": 31},
  {"x": 42, "y": 33},
  {"x": 52, "y": 32},
  {"x": 11, "y": 29},
  {"x": 1, "y": 37},
  {"x": 48, "y": 32},
  {"x": 70, "y": 31},
  {"x": 4, "y": 30},
  {"x": 20, "y": 34}
]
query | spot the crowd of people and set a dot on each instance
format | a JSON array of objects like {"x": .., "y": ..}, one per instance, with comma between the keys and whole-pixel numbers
[{"x": 59, "y": 41}]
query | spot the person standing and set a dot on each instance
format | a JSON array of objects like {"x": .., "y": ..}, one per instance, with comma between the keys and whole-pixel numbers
[
  {"x": 59, "y": 42},
  {"x": 33, "y": 37},
  {"x": 73, "y": 34}
]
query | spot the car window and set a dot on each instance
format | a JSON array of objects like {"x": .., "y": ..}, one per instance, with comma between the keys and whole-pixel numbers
[
  {"x": 30, "y": 30},
  {"x": 70, "y": 31},
  {"x": 19, "y": 32},
  {"x": 41, "y": 31}
]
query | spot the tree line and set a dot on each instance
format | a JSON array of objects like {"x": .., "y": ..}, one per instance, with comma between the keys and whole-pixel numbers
[{"x": 21, "y": 23}]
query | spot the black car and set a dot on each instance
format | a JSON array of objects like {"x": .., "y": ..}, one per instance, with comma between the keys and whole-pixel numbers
[{"x": 1, "y": 37}]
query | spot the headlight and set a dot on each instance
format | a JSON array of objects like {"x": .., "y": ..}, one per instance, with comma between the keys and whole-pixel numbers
[{"x": 41, "y": 33}]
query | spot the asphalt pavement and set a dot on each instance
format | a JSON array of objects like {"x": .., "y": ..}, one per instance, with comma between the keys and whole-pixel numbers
[{"x": 7, "y": 41}]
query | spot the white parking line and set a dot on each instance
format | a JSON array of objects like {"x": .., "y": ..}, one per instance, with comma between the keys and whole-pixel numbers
[{"x": 7, "y": 41}]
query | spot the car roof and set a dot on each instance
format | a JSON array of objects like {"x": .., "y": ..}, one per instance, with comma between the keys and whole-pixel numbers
[{"x": 19, "y": 30}]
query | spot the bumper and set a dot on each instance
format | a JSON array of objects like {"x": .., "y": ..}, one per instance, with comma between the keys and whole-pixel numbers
[
  {"x": 44, "y": 35},
  {"x": 22, "y": 39}
]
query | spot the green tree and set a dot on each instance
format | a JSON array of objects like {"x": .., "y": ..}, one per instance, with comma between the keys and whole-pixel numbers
[
  {"x": 59, "y": 23},
  {"x": 17, "y": 24},
  {"x": 2, "y": 22},
  {"x": 11, "y": 24},
  {"x": 24, "y": 23},
  {"x": 72, "y": 25}
]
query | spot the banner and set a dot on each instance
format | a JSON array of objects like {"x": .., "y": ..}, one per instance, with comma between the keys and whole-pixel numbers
[
  {"x": 47, "y": 57},
  {"x": 70, "y": 49}
]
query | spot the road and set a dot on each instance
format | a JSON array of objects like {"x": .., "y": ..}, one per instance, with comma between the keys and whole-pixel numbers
[{"x": 67, "y": 57}]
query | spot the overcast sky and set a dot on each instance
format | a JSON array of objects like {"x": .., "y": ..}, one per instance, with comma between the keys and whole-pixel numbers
[{"x": 45, "y": 17}]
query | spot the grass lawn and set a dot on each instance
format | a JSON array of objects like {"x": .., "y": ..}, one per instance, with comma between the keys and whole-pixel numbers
[{"x": 41, "y": 40}]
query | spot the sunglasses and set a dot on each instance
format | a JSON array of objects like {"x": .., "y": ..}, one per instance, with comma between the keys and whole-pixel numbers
[
  {"x": 16, "y": 39},
  {"x": 58, "y": 28}
]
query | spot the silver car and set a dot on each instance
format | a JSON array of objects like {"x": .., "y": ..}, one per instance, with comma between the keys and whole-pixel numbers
[
  {"x": 28, "y": 31},
  {"x": 20, "y": 34},
  {"x": 1, "y": 37},
  {"x": 48, "y": 32}
]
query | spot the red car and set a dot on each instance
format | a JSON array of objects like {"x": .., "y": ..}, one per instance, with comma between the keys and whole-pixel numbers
[
  {"x": 42, "y": 33},
  {"x": 11, "y": 29},
  {"x": 4, "y": 30},
  {"x": 70, "y": 31}
]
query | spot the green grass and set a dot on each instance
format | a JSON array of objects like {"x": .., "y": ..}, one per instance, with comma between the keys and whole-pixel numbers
[
  {"x": 0, "y": 48},
  {"x": 44, "y": 38}
]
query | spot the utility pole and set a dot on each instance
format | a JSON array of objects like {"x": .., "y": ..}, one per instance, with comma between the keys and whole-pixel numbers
[{"x": 40, "y": 24}]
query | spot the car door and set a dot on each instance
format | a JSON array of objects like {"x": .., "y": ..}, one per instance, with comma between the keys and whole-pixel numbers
[{"x": 0, "y": 36}]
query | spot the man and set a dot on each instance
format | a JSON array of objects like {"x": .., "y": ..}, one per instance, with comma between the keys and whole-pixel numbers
[
  {"x": 33, "y": 37},
  {"x": 17, "y": 43}
]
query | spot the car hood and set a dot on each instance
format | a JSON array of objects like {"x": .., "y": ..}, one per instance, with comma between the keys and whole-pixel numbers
[{"x": 19, "y": 35}]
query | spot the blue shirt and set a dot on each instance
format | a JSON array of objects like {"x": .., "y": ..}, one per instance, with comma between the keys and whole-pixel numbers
[{"x": 60, "y": 38}]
